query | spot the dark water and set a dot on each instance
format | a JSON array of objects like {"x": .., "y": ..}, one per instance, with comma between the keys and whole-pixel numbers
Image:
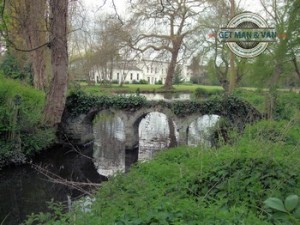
[{"x": 23, "y": 190}]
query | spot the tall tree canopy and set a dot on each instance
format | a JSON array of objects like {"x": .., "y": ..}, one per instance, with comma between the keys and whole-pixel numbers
[{"x": 165, "y": 26}]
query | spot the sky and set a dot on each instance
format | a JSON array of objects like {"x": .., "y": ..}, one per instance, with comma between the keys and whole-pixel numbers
[{"x": 95, "y": 5}]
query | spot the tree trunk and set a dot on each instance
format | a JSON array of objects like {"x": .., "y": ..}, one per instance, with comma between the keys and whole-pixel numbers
[
  {"x": 276, "y": 75},
  {"x": 296, "y": 66},
  {"x": 36, "y": 10},
  {"x": 56, "y": 97},
  {"x": 171, "y": 68},
  {"x": 39, "y": 69},
  {"x": 232, "y": 78}
]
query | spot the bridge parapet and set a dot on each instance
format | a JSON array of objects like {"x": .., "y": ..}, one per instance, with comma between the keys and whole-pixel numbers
[{"x": 81, "y": 110}]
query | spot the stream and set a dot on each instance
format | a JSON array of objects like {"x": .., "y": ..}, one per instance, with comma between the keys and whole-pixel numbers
[{"x": 24, "y": 190}]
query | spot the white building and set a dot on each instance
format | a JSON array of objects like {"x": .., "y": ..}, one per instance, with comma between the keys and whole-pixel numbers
[{"x": 129, "y": 71}]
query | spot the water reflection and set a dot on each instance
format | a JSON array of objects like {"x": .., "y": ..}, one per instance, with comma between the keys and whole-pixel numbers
[
  {"x": 109, "y": 144},
  {"x": 24, "y": 191},
  {"x": 200, "y": 130},
  {"x": 27, "y": 192},
  {"x": 154, "y": 134}
]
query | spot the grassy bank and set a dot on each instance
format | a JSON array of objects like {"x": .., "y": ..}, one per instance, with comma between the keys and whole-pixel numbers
[
  {"x": 202, "y": 186},
  {"x": 22, "y": 132},
  {"x": 198, "y": 186}
]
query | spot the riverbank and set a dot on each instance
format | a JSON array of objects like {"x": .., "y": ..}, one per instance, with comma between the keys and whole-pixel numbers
[{"x": 204, "y": 186}]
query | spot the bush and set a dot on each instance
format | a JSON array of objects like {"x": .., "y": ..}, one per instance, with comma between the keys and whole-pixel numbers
[
  {"x": 244, "y": 181},
  {"x": 135, "y": 82},
  {"x": 287, "y": 104},
  {"x": 21, "y": 131},
  {"x": 12, "y": 68},
  {"x": 143, "y": 81},
  {"x": 204, "y": 93},
  {"x": 115, "y": 82},
  {"x": 159, "y": 82},
  {"x": 282, "y": 132}
]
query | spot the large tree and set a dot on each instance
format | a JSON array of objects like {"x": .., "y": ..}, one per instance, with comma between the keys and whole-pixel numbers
[
  {"x": 165, "y": 25},
  {"x": 228, "y": 69},
  {"x": 112, "y": 38},
  {"x": 56, "y": 96},
  {"x": 26, "y": 35},
  {"x": 284, "y": 16},
  {"x": 56, "y": 41}
]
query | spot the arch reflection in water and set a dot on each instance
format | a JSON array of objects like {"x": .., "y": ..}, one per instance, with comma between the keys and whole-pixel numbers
[
  {"x": 109, "y": 144},
  {"x": 201, "y": 130},
  {"x": 154, "y": 134}
]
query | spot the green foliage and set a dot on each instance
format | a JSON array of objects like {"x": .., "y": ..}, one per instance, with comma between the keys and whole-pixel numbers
[
  {"x": 254, "y": 97},
  {"x": 287, "y": 105},
  {"x": 143, "y": 81},
  {"x": 11, "y": 68},
  {"x": 80, "y": 103},
  {"x": 204, "y": 93},
  {"x": 184, "y": 185},
  {"x": 287, "y": 212},
  {"x": 56, "y": 216},
  {"x": 281, "y": 132},
  {"x": 229, "y": 182},
  {"x": 159, "y": 82},
  {"x": 135, "y": 82},
  {"x": 261, "y": 70},
  {"x": 21, "y": 131},
  {"x": 232, "y": 108},
  {"x": 177, "y": 78}
]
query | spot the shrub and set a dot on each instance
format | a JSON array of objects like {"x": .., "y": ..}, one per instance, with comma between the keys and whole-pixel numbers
[
  {"x": 135, "y": 82},
  {"x": 204, "y": 93},
  {"x": 21, "y": 131},
  {"x": 143, "y": 81},
  {"x": 243, "y": 181},
  {"x": 115, "y": 82},
  {"x": 159, "y": 82},
  {"x": 283, "y": 132},
  {"x": 287, "y": 104}
]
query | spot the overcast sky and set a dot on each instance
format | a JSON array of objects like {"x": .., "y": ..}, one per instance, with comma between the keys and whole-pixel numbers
[{"x": 95, "y": 5}]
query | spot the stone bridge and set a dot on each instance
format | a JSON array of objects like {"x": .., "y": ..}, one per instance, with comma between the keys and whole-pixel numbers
[
  {"x": 87, "y": 119},
  {"x": 78, "y": 127}
]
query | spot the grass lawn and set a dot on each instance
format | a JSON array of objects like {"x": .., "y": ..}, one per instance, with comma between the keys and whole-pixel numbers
[{"x": 143, "y": 88}]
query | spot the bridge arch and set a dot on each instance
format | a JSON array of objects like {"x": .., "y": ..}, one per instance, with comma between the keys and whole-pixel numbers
[
  {"x": 199, "y": 131},
  {"x": 155, "y": 132},
  {"x": 109, "y": 143}
]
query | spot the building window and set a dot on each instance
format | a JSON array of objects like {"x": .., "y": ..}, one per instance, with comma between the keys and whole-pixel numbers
[
  {"x": 118, "y": 76},
  {"x": 131, "y": 76},
  {"x": 151, "y": 69},
  {"x": 155, "y": 70},
  {"x": 147, "y": 69},
  {"x": 137, "y": 76},
  {"x": 149, "y": 80}
]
